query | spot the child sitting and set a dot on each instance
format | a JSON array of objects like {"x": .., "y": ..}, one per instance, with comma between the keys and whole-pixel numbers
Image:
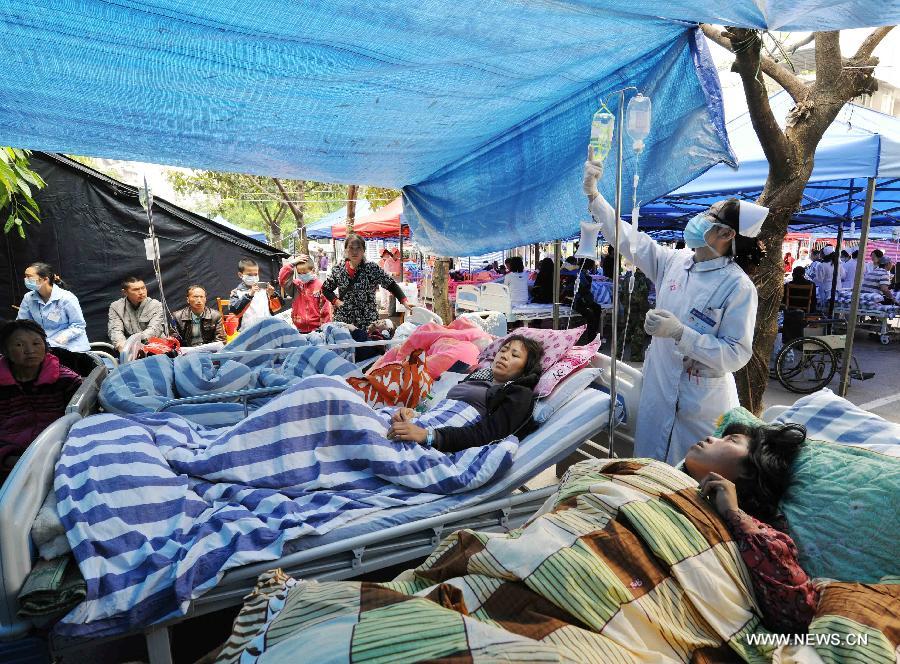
[
  {"x": 34, "y": 389},
  {"x": 310, "y": 309},
  {"x": 250, "y": 301}
]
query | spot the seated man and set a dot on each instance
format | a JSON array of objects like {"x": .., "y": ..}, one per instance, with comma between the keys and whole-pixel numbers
[
  {"x": 134, "y": 313},
  {"x": 197, "y": 323},
  {"x": 878, "y": 280},
  {"x": 34, "y": 389}
]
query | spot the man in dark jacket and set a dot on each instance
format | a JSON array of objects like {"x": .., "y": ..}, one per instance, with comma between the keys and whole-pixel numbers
[
  {"x": 198, "y": 324},
  {"x": 503, "y": 394}
]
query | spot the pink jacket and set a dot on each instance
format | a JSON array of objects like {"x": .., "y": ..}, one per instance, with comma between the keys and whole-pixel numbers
[
  {"x": 310, "y": 308},
  {"x": 25, "y": 411}
]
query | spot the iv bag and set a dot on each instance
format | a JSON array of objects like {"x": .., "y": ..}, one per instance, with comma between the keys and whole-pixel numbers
[
  {"x": 602, "y": 129},
  {"x": 637, "y": 120},
  {"x": 587, "y": 244}
]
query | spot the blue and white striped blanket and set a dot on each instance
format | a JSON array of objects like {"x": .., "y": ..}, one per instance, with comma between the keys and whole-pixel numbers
[
  {"x": 145, "y": 385},
  {"x": 157, "y": 508}
]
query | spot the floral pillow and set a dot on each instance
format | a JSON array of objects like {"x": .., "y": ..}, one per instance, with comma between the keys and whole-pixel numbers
[
  {"x": 556, "y": 343},
  {"x": 575, "y": 358}
]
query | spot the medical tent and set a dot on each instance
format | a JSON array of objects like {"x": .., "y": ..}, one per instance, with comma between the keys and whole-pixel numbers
[
  {"x": 479, "y": 112},
  {"x": 321, "y": 228},
  {"x": 93, "y": 232},
  {"x": 859, "y": 144},
  {"x": 381, "y": 224}
]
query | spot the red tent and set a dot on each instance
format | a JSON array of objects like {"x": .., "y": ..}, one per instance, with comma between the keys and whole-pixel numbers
[{"x": 381, "y": 224}]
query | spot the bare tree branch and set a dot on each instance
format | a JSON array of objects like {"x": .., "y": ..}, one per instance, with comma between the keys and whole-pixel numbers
[
  {"x": 795, "y": 87},
  {"x": 746, "y": 45},
  {"x": 828, "y": 59},
  {"x": 872, "y": 41},
  {"x": 803, "y": 42}
]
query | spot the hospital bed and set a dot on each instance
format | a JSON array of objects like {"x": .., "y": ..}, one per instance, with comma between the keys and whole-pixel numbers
[
  {"x": 379, "y": 540},
  {"x": 495, "y": 297}
]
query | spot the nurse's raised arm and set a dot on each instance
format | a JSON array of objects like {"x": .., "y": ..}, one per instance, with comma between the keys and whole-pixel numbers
[{"x": 639, "y": 248}]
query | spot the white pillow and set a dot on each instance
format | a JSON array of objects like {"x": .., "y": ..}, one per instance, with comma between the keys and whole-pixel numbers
[{"x": 564, "y": 392}]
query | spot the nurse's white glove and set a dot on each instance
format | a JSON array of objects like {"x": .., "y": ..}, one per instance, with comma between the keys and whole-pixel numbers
[
  {"x": 593, "y": 171},
  {"x": 662, "y": 323}
]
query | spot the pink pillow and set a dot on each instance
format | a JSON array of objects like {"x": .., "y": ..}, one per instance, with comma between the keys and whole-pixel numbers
[
  {"x": 572, "y": 361},
  {"x": 444, "y": 353},
  {"x": 555, "y": 343}
]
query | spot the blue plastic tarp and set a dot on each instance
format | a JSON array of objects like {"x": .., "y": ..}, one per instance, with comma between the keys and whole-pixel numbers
[
  {"x": 859, "y": 144},
  {"x": 479, "y": 112}
]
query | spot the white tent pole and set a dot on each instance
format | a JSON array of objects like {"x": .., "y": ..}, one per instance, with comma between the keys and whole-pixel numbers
[
  {"x": 857, "y": 285},
  {"x": 611, "y": 428}
]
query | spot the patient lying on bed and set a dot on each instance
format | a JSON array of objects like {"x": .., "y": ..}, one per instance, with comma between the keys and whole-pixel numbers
[
  {"x": 503, "y": 394},
  {"x": 744, "y": 475}
]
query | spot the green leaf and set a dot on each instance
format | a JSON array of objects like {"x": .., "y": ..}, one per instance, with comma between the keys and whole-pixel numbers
[
  {"x": 21, "y": 231},
  {"x": 9, "y": 223},
  {"x": 23, "y": 187}
]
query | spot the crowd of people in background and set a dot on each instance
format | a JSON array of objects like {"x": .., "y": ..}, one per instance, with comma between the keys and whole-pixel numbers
[{"x": 827, "y": 267}]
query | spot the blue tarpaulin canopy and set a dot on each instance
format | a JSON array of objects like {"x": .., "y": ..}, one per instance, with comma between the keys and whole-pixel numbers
[
  {"x": 479, "y": 112},
  {"x": 859, "y": 144}
]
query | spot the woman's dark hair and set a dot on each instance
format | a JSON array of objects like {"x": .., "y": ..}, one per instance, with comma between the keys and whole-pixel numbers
[
  {"x": 546, "y": 265},
  {"x": 46, "y": 272},
  {"x": 845, "y": 254},
  {"x": 515, "y": 264},
  {"x": 798, "y": 272},
  {"x": 7, "y": 329},
  {"x": 748, "y": 251},
  {"x": 767, "y": 468},
  {"x": 353, "y": 238},
  {"x": 531, "y": 372}
]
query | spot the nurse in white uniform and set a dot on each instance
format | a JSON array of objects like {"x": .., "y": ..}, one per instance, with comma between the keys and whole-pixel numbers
[{"x": 702, "y": 326}]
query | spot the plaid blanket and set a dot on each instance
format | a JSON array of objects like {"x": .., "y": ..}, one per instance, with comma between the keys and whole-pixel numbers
[{"x": 624, "y": 564}]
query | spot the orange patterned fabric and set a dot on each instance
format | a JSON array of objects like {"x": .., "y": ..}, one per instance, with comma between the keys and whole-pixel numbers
[{"x": 403, "y": 383}]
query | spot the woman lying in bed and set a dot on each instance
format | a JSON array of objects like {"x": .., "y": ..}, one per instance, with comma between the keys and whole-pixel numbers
[
  {"x": 744, "y": 474},
  {"x": 503, "y": 394}
]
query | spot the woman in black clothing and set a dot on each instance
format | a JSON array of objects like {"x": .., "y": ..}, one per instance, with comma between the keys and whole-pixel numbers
[
  {"x": 542, "y": 291},
  {"x": 356, "y": 281},
  {"x": 503, "y": 394}
]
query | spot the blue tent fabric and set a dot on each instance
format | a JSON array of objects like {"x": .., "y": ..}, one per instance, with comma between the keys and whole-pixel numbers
[
  {"x": 480, "y": 113},
  {"x": 259, "y": 236},
  {"x": 859, "y": 144},
  {"x": 321, "y": 229}
]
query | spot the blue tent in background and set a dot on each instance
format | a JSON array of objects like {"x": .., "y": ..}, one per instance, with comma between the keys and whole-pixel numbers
[
  {"x": 481, "y": 114},
  {"x": 321, "y": 229},
  {"x": 256, "y": 235},
  {"x": 859, "y": 144}
]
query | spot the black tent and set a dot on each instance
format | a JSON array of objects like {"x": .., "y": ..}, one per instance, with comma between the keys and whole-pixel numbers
[{"x": 93, "y": 230}]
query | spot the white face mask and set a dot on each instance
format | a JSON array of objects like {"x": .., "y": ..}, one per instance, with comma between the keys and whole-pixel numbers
[
  {"x": 306, "y": 278},
  {"x": 250, "y": 279}
]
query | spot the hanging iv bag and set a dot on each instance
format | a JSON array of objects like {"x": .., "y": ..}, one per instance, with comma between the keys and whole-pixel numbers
[
  {"x": 602, "y": 129},
  {"x": 637, "y": 120}
]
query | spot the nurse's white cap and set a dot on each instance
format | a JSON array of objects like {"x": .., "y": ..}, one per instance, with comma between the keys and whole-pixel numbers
[{"x": 751, "y": 218}]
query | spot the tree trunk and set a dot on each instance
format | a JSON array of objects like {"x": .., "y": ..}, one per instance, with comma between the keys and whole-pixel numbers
[
  {"x": 753, "y": 378},
  {"x": 298, "y": 210},
  {"x": 352, "y": 192},
  {"x": 440, "y": 282}
]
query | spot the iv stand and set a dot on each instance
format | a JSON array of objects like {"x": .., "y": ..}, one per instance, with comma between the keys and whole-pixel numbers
[
  {"x": 147, "y": 204},
  {"x": 616, "y": 273}
]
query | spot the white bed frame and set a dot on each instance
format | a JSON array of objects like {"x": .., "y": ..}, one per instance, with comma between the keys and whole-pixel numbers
[
  {"x": 27, "y": 487},
  {"x": 495, "y": 297}
]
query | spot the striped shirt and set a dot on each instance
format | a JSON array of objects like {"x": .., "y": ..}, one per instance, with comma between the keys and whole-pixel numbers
[{"x": 874, "y": 279}]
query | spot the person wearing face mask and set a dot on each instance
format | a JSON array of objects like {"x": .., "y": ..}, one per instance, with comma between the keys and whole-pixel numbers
[
  {"x": 54, "y": 308},
  {"x": 310, "y": 309},
  {"x": 252, "y": 301},
  {"x": 702, "y": 327}
]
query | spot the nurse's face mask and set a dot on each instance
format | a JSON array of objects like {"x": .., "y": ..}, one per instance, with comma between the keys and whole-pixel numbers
[{"x": 696, "y": 229}]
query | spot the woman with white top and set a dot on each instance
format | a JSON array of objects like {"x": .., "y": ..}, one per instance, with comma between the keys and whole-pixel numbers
[
  {"x": 516, "y": 280},
  {"x": 54, "y": 308}
]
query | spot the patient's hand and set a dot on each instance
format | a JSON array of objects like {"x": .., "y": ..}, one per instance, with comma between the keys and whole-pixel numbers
[
  {"x": 407, "y": 431},
  {"x": 720, "y": 492},
  {"x": 403, "y": 415}
]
